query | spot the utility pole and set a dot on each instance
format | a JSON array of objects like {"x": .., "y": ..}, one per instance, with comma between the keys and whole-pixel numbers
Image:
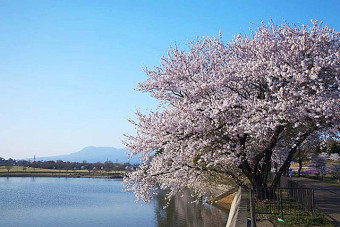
[{"x": 34, "y": 163}]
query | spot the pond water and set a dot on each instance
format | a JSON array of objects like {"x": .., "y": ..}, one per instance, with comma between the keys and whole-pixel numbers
[{"x": 94, "y": 202}]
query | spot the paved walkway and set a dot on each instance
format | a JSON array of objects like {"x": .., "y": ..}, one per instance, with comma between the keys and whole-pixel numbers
[{"x": 327, "y": 198}]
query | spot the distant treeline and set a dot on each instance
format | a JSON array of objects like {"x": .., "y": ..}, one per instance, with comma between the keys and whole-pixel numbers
[{"x": 61, "y": 165}]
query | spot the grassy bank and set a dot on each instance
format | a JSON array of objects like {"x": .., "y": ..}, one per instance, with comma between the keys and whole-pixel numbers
[{"x": 317, "y": 219}]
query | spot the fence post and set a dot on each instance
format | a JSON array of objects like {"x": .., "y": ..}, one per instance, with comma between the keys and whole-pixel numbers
[
  {"x": 252, "y": 208},
  {"x": 281, "y": 207},
  {"x": 313, "y": 203}
]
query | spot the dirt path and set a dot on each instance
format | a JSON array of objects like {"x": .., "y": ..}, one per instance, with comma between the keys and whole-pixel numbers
[{"x": 327, "y": 198}]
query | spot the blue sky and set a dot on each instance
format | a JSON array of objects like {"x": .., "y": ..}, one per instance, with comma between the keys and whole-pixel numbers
[{"x": 68, "y": 68}]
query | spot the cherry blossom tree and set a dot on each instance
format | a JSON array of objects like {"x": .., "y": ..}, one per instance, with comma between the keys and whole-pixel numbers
[
  {"x": 306, "y": 149},
  {"x": 227, "y": 110},
  {"x": 319, "y": 163},
  {"x": 336, "y": 172},
  {"x": 334, "y": 157}
]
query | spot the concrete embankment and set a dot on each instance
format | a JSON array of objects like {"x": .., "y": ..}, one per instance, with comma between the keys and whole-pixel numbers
[
  {"x": 238, "y": 210},
  {"x": 225, "y": 199}
]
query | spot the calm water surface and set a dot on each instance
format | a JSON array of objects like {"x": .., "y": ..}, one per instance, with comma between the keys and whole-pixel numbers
[{"x": 93, "y": 202}]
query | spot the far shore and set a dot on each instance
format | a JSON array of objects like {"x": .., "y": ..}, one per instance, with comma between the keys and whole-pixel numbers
[
  {"x": 62, "y": 176},
  {"x": 17, "y": 171}
]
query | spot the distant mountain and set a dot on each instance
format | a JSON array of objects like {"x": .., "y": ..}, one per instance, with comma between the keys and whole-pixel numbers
[{"x": 93, "y": 154}]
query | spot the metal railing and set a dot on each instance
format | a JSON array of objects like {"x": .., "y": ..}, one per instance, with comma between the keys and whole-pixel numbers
[{"x": 283, "y": 201}]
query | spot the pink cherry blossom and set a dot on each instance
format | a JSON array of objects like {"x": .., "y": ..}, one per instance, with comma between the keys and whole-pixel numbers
[{"x": 226, "y": 110}]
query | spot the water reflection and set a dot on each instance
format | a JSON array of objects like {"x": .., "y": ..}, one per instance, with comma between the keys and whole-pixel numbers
[
  {"x": 94, "y": 202},
  {"x": 181, "y": 212}
]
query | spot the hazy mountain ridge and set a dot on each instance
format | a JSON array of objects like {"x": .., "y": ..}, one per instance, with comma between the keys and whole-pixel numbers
[{"x": 93, "y": 154}]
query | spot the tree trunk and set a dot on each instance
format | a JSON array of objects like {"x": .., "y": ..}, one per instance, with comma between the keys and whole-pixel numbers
[{"x": 300, "y": 167}]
